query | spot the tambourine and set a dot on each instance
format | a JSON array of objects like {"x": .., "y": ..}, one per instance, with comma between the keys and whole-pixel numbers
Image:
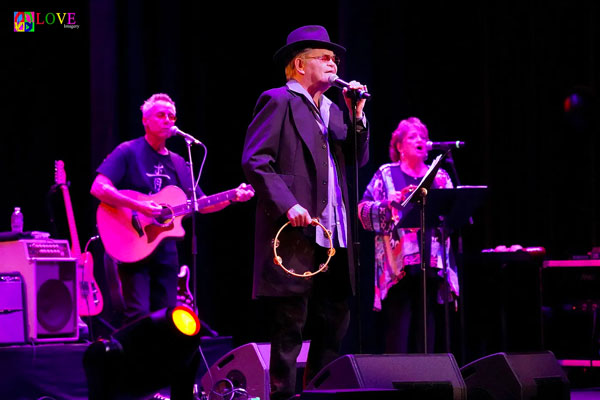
[{"x": 323, "y": 267}]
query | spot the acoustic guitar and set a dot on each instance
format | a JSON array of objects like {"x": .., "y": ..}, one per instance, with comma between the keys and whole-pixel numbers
[
  {"x": 90, "y": 298},
  {"x": 129, "y": 236}
]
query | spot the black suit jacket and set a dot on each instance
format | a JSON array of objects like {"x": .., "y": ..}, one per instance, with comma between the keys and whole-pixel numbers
[{"x": 285, "y": 160}]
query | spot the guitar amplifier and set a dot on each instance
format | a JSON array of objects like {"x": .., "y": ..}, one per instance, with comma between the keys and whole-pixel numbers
[
  {"x": 12, "y": 311},
  {"x": 50, "y": 282}
]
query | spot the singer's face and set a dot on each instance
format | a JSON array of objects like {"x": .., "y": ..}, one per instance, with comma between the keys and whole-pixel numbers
[
  {"x": 160, "y": 118},
  {"x": 319, "y": 66},
  {"x": 414, "y": 145}
]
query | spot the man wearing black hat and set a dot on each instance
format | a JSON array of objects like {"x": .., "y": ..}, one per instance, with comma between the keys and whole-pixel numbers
[{"x": 294, "y": 157}]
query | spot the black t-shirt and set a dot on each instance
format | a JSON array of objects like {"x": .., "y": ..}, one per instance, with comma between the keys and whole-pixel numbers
[{"x": 135, "y": 165}]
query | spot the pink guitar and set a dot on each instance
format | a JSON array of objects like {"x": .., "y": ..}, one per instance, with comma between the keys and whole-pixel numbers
[
  {"x": 90, "y": 297},
  {"x": 129, "y": 236}
]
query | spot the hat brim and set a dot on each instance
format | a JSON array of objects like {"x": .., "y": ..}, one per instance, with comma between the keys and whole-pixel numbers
[{"x": 285, "y": 54}]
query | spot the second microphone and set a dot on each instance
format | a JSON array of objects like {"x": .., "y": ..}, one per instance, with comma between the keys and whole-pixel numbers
[{"x": 176, "y": 131}]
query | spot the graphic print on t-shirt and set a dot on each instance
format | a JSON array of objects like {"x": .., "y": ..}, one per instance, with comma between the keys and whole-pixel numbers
[{"x": 158, "y": 176}]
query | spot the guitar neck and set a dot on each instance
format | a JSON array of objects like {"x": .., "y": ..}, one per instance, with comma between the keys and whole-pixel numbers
[
  {"x": 207, "y": 201},
  {"x": 216, "y": 198},
  {"x": 75, "y": 249}
]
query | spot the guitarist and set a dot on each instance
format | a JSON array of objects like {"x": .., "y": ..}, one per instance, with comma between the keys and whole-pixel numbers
[{"x": 146, "y": 165}]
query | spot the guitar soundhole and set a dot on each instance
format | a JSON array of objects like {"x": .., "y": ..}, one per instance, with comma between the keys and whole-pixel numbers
[{"x": 166, "y": 216}]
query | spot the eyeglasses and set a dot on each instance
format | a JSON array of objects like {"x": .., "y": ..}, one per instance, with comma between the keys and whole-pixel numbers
[
  {"x": 162, "y": 115},
  {"x": 327, "y": 58}
]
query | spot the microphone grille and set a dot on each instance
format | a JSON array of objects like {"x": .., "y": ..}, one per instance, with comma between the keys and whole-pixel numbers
[{"x": 332, "y": 78}]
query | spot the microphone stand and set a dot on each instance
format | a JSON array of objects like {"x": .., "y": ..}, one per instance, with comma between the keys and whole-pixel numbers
[
  {"x": 459, "y": 249},
  {"x": 356, "y": 241},
  {"x": 188, "y": 143}
]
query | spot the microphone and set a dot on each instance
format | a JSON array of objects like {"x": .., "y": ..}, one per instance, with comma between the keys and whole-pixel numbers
[
  {"x": 176, "y": 131},
  {"x": 336, "y": 81},
  {"x": 444, "y": 145}
]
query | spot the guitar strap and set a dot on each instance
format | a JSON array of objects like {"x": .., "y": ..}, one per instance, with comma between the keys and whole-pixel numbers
[{"x": 183, "y": 173}]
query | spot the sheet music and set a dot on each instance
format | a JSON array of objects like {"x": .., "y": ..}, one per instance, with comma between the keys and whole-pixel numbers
[{"x": 429, "y": 177}]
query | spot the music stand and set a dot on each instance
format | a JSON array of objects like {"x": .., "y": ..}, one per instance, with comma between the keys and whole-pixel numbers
[
  {"x": 443, "y": 208},
  {"x": 452, "y": 207}
]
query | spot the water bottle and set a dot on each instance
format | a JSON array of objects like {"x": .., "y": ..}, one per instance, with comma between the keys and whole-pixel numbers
[{"x": 16, "y": 220}]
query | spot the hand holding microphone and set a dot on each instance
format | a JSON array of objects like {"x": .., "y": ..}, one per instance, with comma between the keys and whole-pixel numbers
[
  {"x": 360, "y": 93},
  {"x": 176, "y": 131}
]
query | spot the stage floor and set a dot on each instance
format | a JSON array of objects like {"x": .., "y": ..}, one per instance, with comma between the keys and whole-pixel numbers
[
  {"x": 55, "y": 371},
  {"x": 585, "y": 394}
]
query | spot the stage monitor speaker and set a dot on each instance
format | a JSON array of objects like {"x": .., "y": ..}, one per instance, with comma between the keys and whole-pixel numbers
[
  {"x": 247, "y": 367},
  {"x": 516, "y": 376},
  {"x": 50, "y": 277},
  {"x": 406, "y": 376}
]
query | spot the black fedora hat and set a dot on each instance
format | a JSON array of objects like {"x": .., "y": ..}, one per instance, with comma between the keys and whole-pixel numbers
[{"x": 314, "y": 36}]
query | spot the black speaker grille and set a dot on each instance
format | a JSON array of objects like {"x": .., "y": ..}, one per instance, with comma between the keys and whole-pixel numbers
[{"x": 55, "y": 305}]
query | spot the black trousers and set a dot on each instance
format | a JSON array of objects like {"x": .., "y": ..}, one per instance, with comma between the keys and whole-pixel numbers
[
  {"x": 403, "y": 312},
  {"x": 322, "y": 315},
  {"x": 150, "y": 284}
]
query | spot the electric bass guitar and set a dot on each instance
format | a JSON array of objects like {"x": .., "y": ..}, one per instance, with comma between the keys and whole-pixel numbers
[
  {"x": 90, "y": 298},
  {"x": 129, "y": 236}
]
